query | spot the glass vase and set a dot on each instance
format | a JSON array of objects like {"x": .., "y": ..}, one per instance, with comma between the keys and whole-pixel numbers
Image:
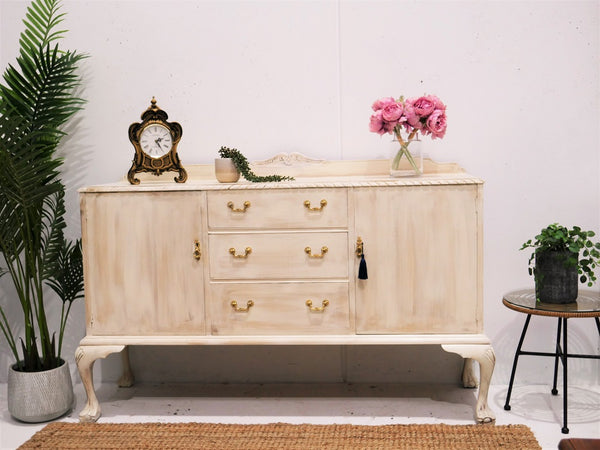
[{"x": 406, "y": 159}]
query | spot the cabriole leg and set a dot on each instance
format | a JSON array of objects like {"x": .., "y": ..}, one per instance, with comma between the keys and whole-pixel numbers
[
  {"x": 127, "y": 379},
  {"x": 85, "y": 356},
  {"x": 468, "y": 376},
  {"x": 485, "y": 356}
]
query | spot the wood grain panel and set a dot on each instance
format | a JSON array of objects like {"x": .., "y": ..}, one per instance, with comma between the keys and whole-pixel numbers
[
  {"x": 278, "y": 208},
  {"x": 140, "y": 274},
  {"x": 279, "y": 308},
  {"x": 421, "y": 246},
  {"x": 279, "y": 255}
]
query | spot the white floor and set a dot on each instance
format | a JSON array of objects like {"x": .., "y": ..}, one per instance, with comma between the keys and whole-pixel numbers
[{"x": 367, "y": 404}]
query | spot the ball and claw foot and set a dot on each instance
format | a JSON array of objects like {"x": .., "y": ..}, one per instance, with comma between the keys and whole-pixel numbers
[
  {"x": 87, "y": 415},
  {"x": 507, "y": 407},
  {"x": 485, "y": 416},
  {"x": 554, "y": 391},
  {"x": 565, "y": 430}
]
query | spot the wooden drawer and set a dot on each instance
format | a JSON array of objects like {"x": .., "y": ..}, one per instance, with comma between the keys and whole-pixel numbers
[
  {"x": 278, "y": 208},
  {"x": 279, "y": 308},
  {"x": 278, "y": 255}
]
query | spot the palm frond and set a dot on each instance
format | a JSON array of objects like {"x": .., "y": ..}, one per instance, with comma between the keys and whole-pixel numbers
[
  {"x": 42, "y": 18},
  {"x": 36, "y": 100},
  {"x": 67, "y": 279},
  {"x": 53, "y": 243}
]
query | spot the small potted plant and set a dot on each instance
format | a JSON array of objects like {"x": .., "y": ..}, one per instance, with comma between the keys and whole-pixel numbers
[
  {"x": 234, "y": 162},
  {"x": 560, "y": 259}
]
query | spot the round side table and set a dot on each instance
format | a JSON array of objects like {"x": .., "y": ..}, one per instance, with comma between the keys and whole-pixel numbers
[{"x": 524, "y": 301}]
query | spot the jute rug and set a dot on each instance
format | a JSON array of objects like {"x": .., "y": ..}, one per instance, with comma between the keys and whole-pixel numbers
[{"x": 60, "y": 435}]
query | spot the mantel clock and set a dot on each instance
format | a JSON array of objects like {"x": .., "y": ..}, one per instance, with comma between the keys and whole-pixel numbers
[{"x": 155, "y": 141}]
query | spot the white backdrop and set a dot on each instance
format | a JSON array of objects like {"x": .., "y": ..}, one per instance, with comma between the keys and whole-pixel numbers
[{"x": 521, "y": 80}]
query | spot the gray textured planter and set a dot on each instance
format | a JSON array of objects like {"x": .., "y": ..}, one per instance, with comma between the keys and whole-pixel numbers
[
  {"x": 40, "y": 396},
  {"x": 555, "y": 282}
]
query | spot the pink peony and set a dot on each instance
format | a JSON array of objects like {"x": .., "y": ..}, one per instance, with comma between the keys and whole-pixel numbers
[
  {"x": 423, "y": 106},
  {"x": 382, "y": 103},
  {"x": 412, "y": 119},
  {"x": 436, "y": 124},
  {"x": 437, "y": 102},
  {"x": 392, "y": 112},
  {"x": 376, "y": 123}
]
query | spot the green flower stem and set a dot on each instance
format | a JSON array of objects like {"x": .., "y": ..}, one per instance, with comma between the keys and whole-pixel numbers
[{"x": 405, "y": 151}]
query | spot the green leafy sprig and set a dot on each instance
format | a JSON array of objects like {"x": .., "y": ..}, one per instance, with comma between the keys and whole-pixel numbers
[{"x": 241, "y": 163}]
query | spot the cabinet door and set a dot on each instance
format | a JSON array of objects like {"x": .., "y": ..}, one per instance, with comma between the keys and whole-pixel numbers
[
  {"x": 422, "y": 246},
  {"x": 141, "y": 277}
]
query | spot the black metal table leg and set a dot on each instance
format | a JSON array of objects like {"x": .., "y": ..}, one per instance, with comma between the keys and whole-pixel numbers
[
  {"x": 554, "y": 390},
  {"x": 514, "y": 367},
  {"x": 564, "y": 357}
]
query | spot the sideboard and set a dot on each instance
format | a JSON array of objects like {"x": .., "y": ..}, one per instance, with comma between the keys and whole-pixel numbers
[{"x": 208, "y": 263}]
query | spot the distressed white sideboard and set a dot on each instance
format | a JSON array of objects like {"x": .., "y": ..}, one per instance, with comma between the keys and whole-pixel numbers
[{"x": 205, "y": 263}]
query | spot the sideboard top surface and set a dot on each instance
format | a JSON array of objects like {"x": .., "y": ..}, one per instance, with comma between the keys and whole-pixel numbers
[{"x": 308, "y": 173}]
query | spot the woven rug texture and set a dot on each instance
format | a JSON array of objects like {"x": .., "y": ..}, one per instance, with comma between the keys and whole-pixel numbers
[{"x": 90, "y": 436}]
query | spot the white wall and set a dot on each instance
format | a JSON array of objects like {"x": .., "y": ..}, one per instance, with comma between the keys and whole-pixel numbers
[{"x": 521, "y": 80}]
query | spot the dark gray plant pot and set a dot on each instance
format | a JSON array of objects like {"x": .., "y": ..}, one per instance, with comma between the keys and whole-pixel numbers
[
  {"x": 555, "y": 282},
  {"x": 40, "y": 396}
]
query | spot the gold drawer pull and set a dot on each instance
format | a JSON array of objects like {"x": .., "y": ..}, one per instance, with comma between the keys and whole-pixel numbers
[
  {"x": 232, "y": 207},
  {"x": 325, "y": 304},
  {"x": 308, "y": 251},
  {"x": 197, "y": 253},
  {"x": 316, "y": 208},
  {"x": 237, "y": 308},
  {"x": 247, "y": 251}
]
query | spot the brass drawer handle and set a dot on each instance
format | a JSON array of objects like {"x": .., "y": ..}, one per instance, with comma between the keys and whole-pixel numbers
[
  {"x": 316, "y": 208},
  {"x": 247, "y": 251},
  {"x": 308, "y": 251},
  {"x": 237, "y": 308},
  {"x": 325, "y": 304},
  {"x": 232, "y": 207},
  {"x": 197, "y": 253}
]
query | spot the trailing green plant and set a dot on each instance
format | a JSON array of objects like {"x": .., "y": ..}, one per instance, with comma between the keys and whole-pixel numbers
[
  {"x": 37, "y": 98},
  {"x": 241, "y": 164},
  {"x": 556, "y": 237}
]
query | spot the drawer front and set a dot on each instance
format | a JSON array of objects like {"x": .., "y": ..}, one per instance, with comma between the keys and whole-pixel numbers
[
  {"x": 279, "y": 308},
  {"x": 266, "y": 256},
  {"x": 279, "y": 208}
]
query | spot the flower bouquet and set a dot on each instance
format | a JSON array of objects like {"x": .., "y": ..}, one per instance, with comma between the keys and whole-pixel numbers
[{"x": 424, "y": 114}]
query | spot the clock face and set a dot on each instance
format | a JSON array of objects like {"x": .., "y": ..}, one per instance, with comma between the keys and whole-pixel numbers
[{"x": 155, "y": 140}]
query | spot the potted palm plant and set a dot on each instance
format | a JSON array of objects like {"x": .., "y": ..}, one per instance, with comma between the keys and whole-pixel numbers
[
  {"x": 562, "y": 258},
  {"x": 36, "y": 100}
]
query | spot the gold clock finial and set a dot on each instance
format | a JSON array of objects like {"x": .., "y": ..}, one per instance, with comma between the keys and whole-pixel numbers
[{"x": 153, "y": 106}]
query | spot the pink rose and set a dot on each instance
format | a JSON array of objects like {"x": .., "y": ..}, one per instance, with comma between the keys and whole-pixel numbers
[
  {"x": 392, "y": 112},
  {"x": 423, "y": 106},
  {"x": 382, "y": 103},
  {"x": 436, "y": 124}
]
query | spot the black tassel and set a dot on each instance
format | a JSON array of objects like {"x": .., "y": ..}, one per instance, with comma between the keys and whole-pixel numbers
[{"x": 362, "y": 268}]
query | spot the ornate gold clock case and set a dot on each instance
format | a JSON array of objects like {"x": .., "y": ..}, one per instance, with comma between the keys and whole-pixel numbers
[{"x": 155, "y": 141}]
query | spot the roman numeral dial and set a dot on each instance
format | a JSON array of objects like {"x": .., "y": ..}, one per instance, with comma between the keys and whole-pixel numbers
[{"x": 156, "y": 140}]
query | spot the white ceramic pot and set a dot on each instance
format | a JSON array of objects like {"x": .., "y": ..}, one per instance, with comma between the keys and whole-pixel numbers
[
  {"x": 225, "y": 170},
  {"x": 40, "y": 396}
]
